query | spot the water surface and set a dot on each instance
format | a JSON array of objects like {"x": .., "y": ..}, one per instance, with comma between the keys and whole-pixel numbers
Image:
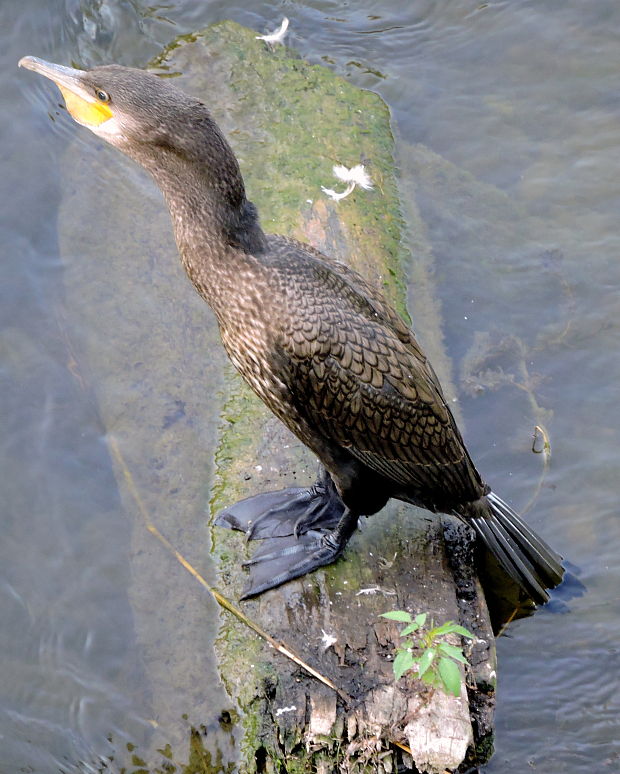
[{"x": 521, "y": 102}]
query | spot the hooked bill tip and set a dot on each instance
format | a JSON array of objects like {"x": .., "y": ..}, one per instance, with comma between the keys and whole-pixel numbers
[
  {"x": 48, "y": 69},
  {"x": 55, "y": 72},
  {"x": 27, "y": 62}
]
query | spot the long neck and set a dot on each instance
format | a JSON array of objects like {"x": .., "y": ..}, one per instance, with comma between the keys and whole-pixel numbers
[{"x": 214, "y": 224}]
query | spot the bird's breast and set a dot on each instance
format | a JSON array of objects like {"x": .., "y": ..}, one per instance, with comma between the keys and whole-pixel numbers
[{"x": 248, "y": 337}]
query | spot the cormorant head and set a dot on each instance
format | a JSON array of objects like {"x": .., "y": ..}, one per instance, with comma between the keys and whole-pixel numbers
[
  {"x": 129, "y": 107},
  {"x": 167, "y": 131}
]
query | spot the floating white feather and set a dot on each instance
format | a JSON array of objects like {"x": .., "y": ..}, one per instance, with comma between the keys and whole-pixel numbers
[
  {"x": 354, "y": 176},
  {"x": 277, "y": 36},
  {"x": 335, "y": 195}
]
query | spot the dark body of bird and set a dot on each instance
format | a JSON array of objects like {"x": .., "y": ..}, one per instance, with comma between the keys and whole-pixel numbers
[{"x": 318, "y": 344}]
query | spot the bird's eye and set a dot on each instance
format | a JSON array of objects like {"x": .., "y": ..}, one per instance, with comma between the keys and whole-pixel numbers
[{"x": 102, "y": 95}]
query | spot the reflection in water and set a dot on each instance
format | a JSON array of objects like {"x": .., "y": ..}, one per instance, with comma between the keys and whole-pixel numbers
[{"x": 507, "y": 116}]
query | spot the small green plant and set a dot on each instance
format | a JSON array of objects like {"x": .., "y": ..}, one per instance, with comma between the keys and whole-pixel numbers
[{"x": 436, "y": 665}]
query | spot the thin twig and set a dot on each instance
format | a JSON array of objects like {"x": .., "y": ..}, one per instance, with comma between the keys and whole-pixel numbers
[
  {"x": 507, "y": 623},
  {"x": 539, "y": 431},
  {"x": 219, "y": 598},
  {"x": 539, "y": 414},
  {"x": 402, "y": 746}
]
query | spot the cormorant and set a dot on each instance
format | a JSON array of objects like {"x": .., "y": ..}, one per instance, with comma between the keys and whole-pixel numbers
[{"x": 317, "y": 343}]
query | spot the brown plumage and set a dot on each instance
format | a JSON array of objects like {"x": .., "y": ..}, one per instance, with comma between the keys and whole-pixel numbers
[
  {"x": 357, "y": 377},
  {"x": 318, "y": 344}
]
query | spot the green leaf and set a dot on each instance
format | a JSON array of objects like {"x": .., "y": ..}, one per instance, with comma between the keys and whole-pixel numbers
[
  {"x": 452, "y": 651},
  {"x": 408, "y": 629},
  {"x": 420, "y": 619},
  {"x": 463, "y": 632},
  {"x": 426, "y": 659},
  {"x": 397, "y": 615},
  {"x": 444, "y": 628},
  {"x": 430, "y": 678},
  {"x": 402, "y": 662},
  {"x": 450, "y": 675},
  {"x": 449, "y": 628}
]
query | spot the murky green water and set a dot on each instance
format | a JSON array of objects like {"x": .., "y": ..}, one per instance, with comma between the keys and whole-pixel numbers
[{"x": 521, "y": 102}]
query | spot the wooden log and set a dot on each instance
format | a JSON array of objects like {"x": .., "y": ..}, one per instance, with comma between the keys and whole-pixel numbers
[
  {"x": 288, "y": 122},
  {"x": 401, "y": 554}
]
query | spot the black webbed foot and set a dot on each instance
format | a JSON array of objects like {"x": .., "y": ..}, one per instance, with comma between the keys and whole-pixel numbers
[
  {"x": 280, "y": 559},
  {"x": 292, "y": 511},
  {"x": 301, "y": 530}
]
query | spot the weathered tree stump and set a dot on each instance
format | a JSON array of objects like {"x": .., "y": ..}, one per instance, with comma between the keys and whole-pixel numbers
[{"x": 289, "y": 123}]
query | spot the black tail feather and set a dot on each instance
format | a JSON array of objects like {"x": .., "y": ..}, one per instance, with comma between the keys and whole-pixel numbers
[
  {"x": 510, "y": 557},
  {"x": 546, "y": 560},
  {"x": 524, "y": 556}
]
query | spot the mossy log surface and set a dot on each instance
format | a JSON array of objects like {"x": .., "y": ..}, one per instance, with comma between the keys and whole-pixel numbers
[{"x": 166, "y": 396}]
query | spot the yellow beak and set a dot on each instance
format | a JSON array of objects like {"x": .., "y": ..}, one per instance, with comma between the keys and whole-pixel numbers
[{"x": 85, "y": 108}]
